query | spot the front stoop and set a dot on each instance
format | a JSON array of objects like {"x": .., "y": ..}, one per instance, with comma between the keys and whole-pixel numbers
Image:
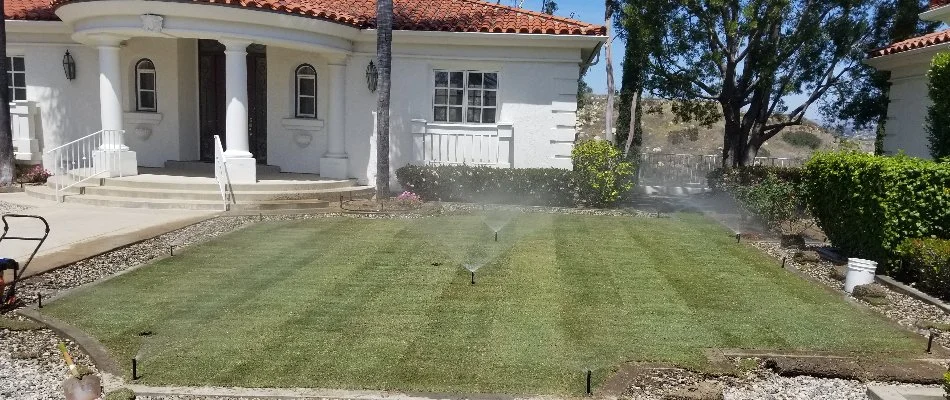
[
  {"x": 881, "y": 392},
  {"x": 202, "y": 193}
]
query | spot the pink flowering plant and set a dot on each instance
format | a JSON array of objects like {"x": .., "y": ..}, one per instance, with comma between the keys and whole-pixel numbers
[
  {"x": 34, "y": 174},
  {"x": 409, "y": 199}
]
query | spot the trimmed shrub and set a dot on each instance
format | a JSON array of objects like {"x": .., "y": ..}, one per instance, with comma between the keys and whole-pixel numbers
[
  {"x": 802, "y": 139},
  {"x": 463, "y": 183},
  {"x": 927, "y": 263},
  {"x": 938, "y": 113},
  {"x": 728, "y": 178},
  {"x": 776, "y": 203},
  {"x": 867, "y": 205},
  {"x": 601, "y": 174}
]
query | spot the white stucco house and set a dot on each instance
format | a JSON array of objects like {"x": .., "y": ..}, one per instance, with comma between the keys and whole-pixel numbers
[
  {"x": 908, "y": 61},
  {"x": 288, "y": 83}
]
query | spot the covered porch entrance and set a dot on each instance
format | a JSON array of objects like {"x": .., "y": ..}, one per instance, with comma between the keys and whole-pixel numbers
[{"x": 212, "y": 98}]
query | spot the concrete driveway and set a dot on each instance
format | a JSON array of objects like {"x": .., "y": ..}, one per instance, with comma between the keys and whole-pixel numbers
[{"x": 79, "y": 231}]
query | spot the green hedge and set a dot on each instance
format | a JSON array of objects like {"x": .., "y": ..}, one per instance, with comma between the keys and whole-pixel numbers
[
  {"x": 867, "y": 205},
  {"x": 462, "y": 183},
  {"x": 926, "y": 262},
  {"x": 720, "y": 178}
]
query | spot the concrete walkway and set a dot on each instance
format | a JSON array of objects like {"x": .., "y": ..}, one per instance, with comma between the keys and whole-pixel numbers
[{"x": 79, "y": 231}]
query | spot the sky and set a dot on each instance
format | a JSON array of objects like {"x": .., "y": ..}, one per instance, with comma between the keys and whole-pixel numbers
[{"x": 592, "y": 11}]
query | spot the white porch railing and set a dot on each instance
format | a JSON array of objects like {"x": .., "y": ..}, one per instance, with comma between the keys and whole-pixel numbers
[
  {"x": 221, "y": 174},
  {"x": 23, "y": 126},
  {"x": 91, "y": 156},
  {"x": 449, "y": 144}
]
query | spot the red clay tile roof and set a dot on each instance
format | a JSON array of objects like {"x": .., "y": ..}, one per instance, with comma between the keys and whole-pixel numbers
[
  {"x": 931, "y": 39},
  {"x": 38, "y": 10},
  {"x": 416, "y": 15},
  {"x": 938, "y": 3}
]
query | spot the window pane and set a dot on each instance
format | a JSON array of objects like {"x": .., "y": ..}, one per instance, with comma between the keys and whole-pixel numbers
[
  {"x": 455, "y": 114},
  {"x": 457, "y": 79},
  {"x": 441, "y": 79},
  {"x": 474, "y": 97},
  {"x": 19, "y": 94},
  {"x": 306, "y": 70},
  {"x": 490, "y": 99},
  {"x": 146, "y": 64},
  {"x": 19, "y": 80},
  {"x": 488, "y": 115},
  {"x": 147, "y": 81},
  {"x": 18, "y": 64},
  {"x": 441, "y": 96},
  {"x": 475, "y": 80},
  {"x": 473, "y": 115},
  {"x": 307, "y": 106},
  {"x": 440, "y": 114},
  {"x": 491, "y": 81},
  {"x": 308, "y": 87},
  {"x": 147, "y": 100},
  {"x": 455, "y": 97}
]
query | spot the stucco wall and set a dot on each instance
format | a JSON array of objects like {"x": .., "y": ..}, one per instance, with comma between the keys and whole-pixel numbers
[
  {"x": 67, "y": 110},
  {"x": 537, "y": 95},
  {"x": 153, "y": 143},
  {"x": 294, "y": 148},
  {"x": 906, "y": 114}
]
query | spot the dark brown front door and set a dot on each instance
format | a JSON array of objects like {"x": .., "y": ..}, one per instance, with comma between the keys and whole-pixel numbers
[{"x": 212, "y": 101}]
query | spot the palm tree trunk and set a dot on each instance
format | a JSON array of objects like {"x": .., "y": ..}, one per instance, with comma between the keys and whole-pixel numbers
[
  {"x": 384, "y": 53},
  {"x": 634, "y": 122},
  {"x": 6, "y": 135},
  {"x": 609, "y": 112}
]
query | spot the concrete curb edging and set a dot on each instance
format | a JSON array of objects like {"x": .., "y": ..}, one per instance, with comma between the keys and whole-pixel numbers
[
  {"x": 92, "y": 347},
  {"x": 912, "y": 292},
  {"x": 878, "y": 392},
  {"x": 309, "y": 393}
]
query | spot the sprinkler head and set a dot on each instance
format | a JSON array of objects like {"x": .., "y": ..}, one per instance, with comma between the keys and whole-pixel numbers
[
  {"x": 930, "y": 341},
  {"x": 784, "y": 259},
  {"x": 588, "y": 383},
  {"x": 39, "y": 300},
  {"x": 738, "y": 237},
  {"x": 473, "y": 277},
  {"x": 496, "y": 236},
  {"x": 171, "y": 250},
  {"x": 135, "y": 375}
]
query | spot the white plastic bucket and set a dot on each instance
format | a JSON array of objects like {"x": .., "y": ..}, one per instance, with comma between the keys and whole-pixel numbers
[{"x": 860, "y": 272}]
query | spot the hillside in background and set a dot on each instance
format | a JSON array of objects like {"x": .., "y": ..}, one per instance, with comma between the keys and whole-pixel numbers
[{"x": 662, "y": 135}]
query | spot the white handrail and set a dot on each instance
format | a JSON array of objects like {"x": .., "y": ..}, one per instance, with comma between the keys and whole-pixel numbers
[
  {"x": 86, "y": 158},
  {"x": 221, "y": 173}
]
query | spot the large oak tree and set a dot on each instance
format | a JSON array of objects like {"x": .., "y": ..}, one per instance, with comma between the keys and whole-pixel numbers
[{"x": 740, "y": 60}]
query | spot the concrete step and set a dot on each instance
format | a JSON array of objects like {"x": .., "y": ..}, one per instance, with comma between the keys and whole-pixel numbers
[
  {"x": 212, "y": 185},
  {"x": 200, "y": 200},
  {"x": 240, "y": 196},
  {"x": 128, "y": 202},
  {"x": 201, "y": 166}
]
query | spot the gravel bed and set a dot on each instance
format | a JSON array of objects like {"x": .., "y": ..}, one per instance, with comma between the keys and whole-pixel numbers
[
  {"x": 905, "y": 310},
  {"x": 7, "y": 207},
  {"x": 31, "y": 367}
]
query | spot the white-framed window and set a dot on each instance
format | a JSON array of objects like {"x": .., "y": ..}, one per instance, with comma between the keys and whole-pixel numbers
[
  {"x": 306, "y": 91},
  {"x": 17, "y": 78},
  {"x": 465, "y": 97},
  {"x": 146, "y": 97}
]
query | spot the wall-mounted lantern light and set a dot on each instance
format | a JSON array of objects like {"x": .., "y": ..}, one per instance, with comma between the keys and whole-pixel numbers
[
  {"x": 372, "y": 76},
  {"x": 69, "y": 66}
]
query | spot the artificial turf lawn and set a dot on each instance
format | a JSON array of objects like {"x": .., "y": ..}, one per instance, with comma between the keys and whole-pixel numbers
[{"x": 384, "y": 304}]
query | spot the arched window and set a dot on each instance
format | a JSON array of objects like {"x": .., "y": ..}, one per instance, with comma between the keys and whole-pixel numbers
[
  {"x": 146, "y": 98},
  {"x": 306, "y": 93}
]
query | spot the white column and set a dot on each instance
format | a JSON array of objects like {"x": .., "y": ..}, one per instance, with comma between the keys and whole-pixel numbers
[
  {"x": 113, "y": 155},
  {"x": 110, "y": 92},
  {"x": 242, "y": 168},
  {"x": 335, "y": 164}
]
